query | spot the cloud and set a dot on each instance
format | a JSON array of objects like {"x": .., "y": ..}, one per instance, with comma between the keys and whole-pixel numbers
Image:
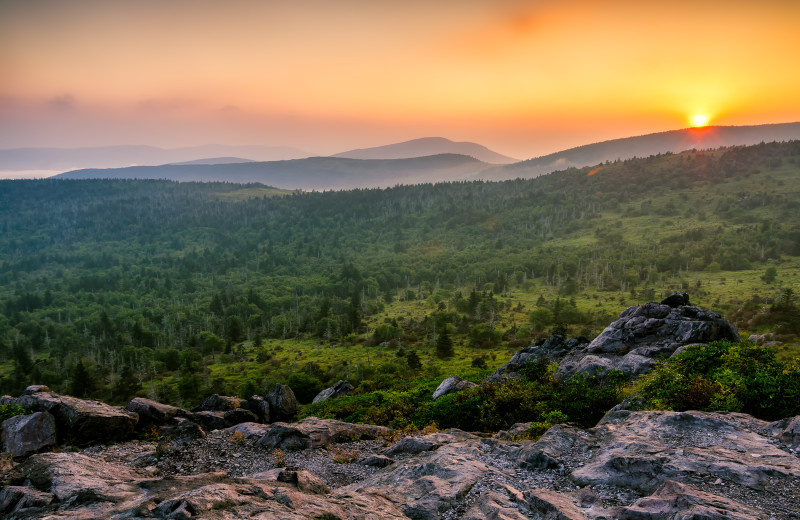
[
  {"x": 62, "y": 102},
  {"x": 164, "y": 104}
]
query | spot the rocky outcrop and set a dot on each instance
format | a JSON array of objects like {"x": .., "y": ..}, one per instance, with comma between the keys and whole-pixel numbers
[
  {"x": 633, "y": 465},
  {"x": 283, "y": 404},
  {"x": 451, "y": 385},
  {"x": 339, "y": 389},
  {"x": 82, "y": 421},
  {"x": 26, "y": 434},
  {"x": 632, "y": 344}
]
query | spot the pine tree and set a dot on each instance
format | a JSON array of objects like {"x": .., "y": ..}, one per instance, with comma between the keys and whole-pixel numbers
[{"x": 444, "y": 345}]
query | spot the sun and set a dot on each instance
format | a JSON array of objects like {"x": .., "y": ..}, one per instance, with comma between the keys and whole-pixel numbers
[{"x": 699, "y": 120}]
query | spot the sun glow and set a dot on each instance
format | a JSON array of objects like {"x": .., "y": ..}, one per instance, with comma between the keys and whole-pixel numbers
[{"x": 699, "y": 120}]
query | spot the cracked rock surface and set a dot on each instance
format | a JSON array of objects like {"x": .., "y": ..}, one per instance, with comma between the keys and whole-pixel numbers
[{"x": 633, "y": 465}]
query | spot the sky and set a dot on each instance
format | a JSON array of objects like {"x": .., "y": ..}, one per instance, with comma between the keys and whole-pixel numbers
[{"x": 524, "y": 78}]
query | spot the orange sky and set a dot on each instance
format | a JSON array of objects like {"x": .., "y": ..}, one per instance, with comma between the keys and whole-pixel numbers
[{"x": 524, "y": 78}]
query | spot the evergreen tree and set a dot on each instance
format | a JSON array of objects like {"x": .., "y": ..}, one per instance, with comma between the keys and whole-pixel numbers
[
  {"x": 444, "y": 344},
  {"x": 413, "y": 360},
  {"x": 83, "y": 382}
]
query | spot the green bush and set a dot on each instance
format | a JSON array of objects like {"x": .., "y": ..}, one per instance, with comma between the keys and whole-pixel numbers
[
  {"x": 724, "y": 376},
  {"x": 7, "y": 411}
]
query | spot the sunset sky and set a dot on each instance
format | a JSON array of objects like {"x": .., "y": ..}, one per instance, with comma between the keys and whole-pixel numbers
[{"x": 524, "y": 78}]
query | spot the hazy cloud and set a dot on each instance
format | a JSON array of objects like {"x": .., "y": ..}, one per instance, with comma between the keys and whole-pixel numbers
[
  {"x": 62, "y": 102},
  {"x": 229, "y": 108},
  {"x": 160, "y": 104}
]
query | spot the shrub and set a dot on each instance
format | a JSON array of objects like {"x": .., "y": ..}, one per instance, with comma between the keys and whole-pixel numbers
[{"x": 724, "y": 376}]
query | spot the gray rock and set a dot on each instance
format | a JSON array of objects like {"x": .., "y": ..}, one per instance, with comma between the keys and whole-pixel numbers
[
  {"x": 552, "y": 505},
  {"x": 18, "y": 499},
  {"x": 282, "y": 403},
  {"x": 26, "y": 434},
  {"x": 303, "y": 480},
  {"x": 552, "y": 349},
  {"x": 313, "y": 432},
  {"x": 259, "y": 406},
  {"x": 81, "y": 421},
  {"x": 239, "y": 415},
  {"x": 676, "y": 299},
  {"x": 377, "y": 461},
  {"x": 451, "y": 385},
  {"x": 250, "y": 430},
  {"x": 675, "y": 500},
  {"x": 219, "y": 403},
  {"x": 631, "y": 344},
  {"x": 789, "y": 432},
  {"x": 209, "y": 421},
  {"x": 35, "y": 389},
  {"x": 341, "y": 388},
  {"x": 152, "y": 413},
  {"x": 182, "y": 432},
  {"x": 411, "y": 446}
]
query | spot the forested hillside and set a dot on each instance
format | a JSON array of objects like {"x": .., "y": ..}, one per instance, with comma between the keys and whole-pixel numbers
[{"x": 110, "y": 288}]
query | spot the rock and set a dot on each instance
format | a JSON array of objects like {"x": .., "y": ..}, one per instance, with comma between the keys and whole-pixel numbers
[
  {"x": 152, "y": 413},
  {"x": 632, "y": 344},
  {"x": 219, "y": 403},
  {"x": 81, "y": 421},
  {"x": 259, "y": 406},
  {"x": 789, "y": 432},
  {"x": 641, "y": 450},
  {"x": 303, "y": 480},
  {"x": 676, "y": 299},
  {"x": 553, "y": 348},
  {"x": 341, "y": 388},
  {"x": 377, "y": 461},
  {"x": 210, "y": 421},
  {"x": 586, "y": 497},
  {"x": 249, "y": 430},
  {"x": 18, "y": 499},
  {"x": 26, "y": 434},
  {"x": 675, "y": 500},
  {"x": 239, "y": 415},
  {"x": 553, "y": 506},
  {"x": 282, "y": 403},
  {"x": 313, "y": 432},
  {"x": 76, "y": 477},
  {"x": 35, "y": 389},
  {"x": 182, "y": 432},
  {"x": 411, "y": 446},
  {"x": 450, "y": 385},
  {"x": 429, "y": 484}
]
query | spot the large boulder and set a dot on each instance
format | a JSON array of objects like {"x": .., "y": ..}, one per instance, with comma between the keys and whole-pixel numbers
[
  {"x": 259, "y": 406},
  {"x": 313, "y": 432},
  {"x": 219, "y": 403},
  {"x": 82, "y": 421},
  {"x": 26, "y": 434},
  {"x": 282, "y": 403},
  {"x": 451, "y": 385},
  {"x": 641, "y": 335},
  {"x": 341, "y": 388},
  {"x": 152, "y": 413}
]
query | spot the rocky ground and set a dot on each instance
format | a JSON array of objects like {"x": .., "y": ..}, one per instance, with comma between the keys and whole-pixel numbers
[{"x": 635, "y": 465}]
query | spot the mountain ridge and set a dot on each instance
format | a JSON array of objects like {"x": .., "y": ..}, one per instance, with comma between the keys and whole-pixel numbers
[{"x": 426, "y": 146}]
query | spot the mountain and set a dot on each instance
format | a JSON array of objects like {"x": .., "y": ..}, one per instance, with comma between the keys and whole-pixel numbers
[
  {"x": 315, "y": 173},
  {"x": 118, "y": 156},
  {"x": 213, "y": 160},
  {"x": 646, "y": 145},
  {"x": 425, "y": 147}
]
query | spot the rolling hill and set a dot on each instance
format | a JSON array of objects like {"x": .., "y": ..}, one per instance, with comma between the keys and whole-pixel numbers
[
  {"x": 316, "y": 173},
  {"x": 117, "y": 156},
  {"x": 646, "y": 145}
]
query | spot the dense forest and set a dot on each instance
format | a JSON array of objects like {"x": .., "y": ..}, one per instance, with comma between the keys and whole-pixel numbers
[{"x": 112, "y": 288}]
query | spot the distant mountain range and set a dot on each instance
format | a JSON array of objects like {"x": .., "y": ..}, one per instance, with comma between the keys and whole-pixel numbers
[
  {"x": 646, "y": 145},
  {"x": 431, "y": 159},
  {"x": 315, "y": 173},
  {"x": 428, "y": 146},
  {"x": 120, "y": 156}
]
